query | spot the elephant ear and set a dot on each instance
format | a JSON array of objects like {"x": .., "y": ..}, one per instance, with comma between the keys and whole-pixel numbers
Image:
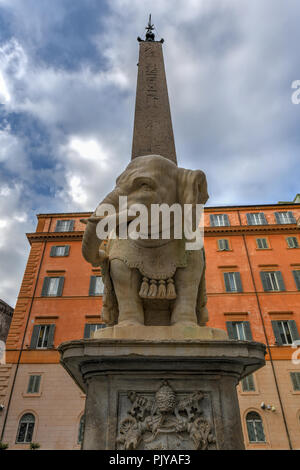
[{"x": 191, "y": 187}]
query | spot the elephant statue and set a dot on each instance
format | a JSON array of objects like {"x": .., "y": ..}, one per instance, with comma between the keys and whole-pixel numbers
[{"x": 151, "y": 281}]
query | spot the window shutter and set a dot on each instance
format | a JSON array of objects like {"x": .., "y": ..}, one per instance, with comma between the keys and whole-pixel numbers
[
  {"x": 226, "y": 220},
  {"x": 67, "y": 250},
  {"x": 92, "y": 285},
  {"x": 45, "y": 287},
  {"x": 251, "y": 432},
  {"x": 37, "y": 383},
  {"x": 294, "y": 330},
  {"x": 60, "y": 286},
  {"x": 87, "y": 330},
  {"x": 231, "y": 330},
  {"x": 30, "y": 384},
  {"x": 71, "y": 226},
  {"x": 51, "y": 336},
  {"x": 292, "y": 218},
  {"x": 251, "y": 383},
  {"x": 58, "y": 226},
  {"x": 212, "y": 220},
  {"x": 227, "y": 283},
  {"x": 276, "y": 332},
  {"x": 53, "y": 251},
  {"x": 278, "y": 219},
  {"x": 35, "y": 336},
  {"x": 280, "y": 280},
  {"x": 295, "y": 376},
  {"x": 238, "y": 282},
  {"x": 296, "y": 275},
  {"x": 250, "y": 219},
  {"x": 263, "y": 218},
  {"x": 248, "y": 332},
  {"x": 265, "y": 281}
]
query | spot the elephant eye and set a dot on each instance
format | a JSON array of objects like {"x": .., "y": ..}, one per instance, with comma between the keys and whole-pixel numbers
[{"x": 143, "y": 184}]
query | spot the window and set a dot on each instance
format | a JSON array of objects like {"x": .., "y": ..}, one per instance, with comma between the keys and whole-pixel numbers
[
  {"x": 296, "y": 275},
  {"x": 60, "y": 250},
  {"x": 219, "y": 220},
  {"x": 248, "y": 384},
  {"x": 80, "y": 430},
  {"x": 255, "y": 427},
  {"x": 96, "y": 285},
  {"x": 285, "y": 218},
  {"x": 233, "y": 282},
  {"x": 34, "y": 384},
  {"x": 239, "y": 330},
  {"x": 295, "y": 377},
  {"x": 223, "y": 245},
  {"x": 257, "y": 218},
  {"x": 272, "y": 281},
  {"x": 42, "y": 336},
  {"x": 90, "y": 328},
  {"x": 25, "y": 430},
  {"x": 262, "y": 243},
  {"x": 285, "y": 331},
  {"x": 53, "y": 286},
  {"x": 292, "y": 242},
  {"x": 64, "y": 226}
]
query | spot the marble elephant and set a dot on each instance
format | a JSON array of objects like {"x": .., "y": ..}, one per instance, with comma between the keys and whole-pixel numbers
[{"x": 150, "y": 281}]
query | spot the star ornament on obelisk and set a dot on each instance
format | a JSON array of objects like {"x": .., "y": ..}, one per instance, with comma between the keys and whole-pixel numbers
[{"x": 153, "y": 131}]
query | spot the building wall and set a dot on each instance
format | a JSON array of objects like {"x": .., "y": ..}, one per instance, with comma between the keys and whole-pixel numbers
[
  {"x": 6, "y": 313},
  {"x": 76, "y": 307}
]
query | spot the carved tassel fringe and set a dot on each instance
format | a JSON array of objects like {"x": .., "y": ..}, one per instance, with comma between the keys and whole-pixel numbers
[
  {"x": 144, "y": 288},
  {"x": 161, "y": 294},
  {"x": 171, "y": 293},
  {"x": 153, "y": 288}
]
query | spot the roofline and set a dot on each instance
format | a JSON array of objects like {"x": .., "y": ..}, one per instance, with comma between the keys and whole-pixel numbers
[{"x": 87, "y": 214}]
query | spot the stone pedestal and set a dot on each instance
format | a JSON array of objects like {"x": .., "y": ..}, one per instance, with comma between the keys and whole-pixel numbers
[{"x": 161, "y": 393}]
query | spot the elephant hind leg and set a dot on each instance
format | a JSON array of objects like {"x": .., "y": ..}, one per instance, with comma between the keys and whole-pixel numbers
[{"x": 126, "y": 283}]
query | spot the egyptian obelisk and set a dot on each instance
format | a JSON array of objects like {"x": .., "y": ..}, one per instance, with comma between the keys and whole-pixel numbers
[{"x": 153, "y": 132}]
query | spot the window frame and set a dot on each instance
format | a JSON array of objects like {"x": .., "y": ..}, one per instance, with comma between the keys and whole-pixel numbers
[
  {"x": 46, "y": 286},
  {"x": 296, "y": 245},
  {"x": 260, "y": 420},
  {"x": 228, "y": 248},
  {"x": 38, "y": 392},
  {"x": 267, "y": 280},
  {"x": 215, "y": 217},
  {"x": 19, "y": 428},
  {"x": 59, "y": 224},
  {"x": 236, "y": 279},
  {"x": 264, "y": 247},
  {"x": 35, "y": 336},
  {"x": 256, "y": 218},
  {"x": 53, "y": 251},
  {"x": 93, "y": 283},
  {"x": 296, "y": 381}
]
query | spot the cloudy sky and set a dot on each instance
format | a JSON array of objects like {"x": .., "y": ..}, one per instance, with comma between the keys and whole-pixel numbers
[{"x": 67, "y": 93}]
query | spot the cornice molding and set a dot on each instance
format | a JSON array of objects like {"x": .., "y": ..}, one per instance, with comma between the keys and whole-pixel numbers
[{"x": 208, "y": 231}]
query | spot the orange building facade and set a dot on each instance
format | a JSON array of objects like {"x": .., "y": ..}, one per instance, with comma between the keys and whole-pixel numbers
[{"x": 253, "y": 287}]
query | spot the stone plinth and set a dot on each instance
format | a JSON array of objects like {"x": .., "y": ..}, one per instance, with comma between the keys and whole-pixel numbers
[{"x": 163, "y": 394}]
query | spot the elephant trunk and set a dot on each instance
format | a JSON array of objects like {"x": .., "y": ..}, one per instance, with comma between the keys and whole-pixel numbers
[{"x": 91, "y": 242}]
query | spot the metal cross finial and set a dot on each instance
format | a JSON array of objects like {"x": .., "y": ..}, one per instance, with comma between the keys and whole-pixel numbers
[
  {"x": 150, "y": 36},
  {"x": 150, "y": 26}
]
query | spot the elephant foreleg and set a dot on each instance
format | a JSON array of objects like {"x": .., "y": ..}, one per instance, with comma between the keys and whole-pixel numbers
[
  {"x": 187, "y": 282},
  {"x": 126, "y": 283}
]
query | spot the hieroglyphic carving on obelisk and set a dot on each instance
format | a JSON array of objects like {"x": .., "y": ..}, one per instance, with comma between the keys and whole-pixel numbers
[{"x": 153, "y": 132}]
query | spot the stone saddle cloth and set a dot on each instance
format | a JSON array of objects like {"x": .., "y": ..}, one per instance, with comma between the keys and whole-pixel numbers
[{"x": 153, "y": 262}]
